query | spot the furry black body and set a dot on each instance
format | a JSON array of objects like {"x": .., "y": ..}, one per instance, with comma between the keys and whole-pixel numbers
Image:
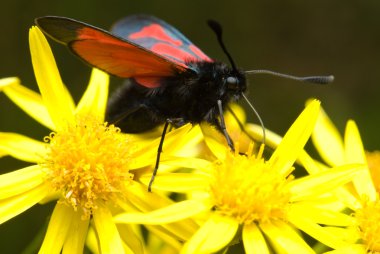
[{"x": 187, "y": 97}]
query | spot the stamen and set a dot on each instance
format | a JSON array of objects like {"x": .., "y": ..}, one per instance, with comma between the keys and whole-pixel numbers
[
  {"x": 88, "y": 163},
  {"x": 245, "y": 187},
  {"x": 368, "y": 218}
]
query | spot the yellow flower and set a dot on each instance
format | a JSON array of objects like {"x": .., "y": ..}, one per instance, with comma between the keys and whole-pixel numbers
[
  {"x": 258, "y": 196},
  {"x": 363, "y": 196},
  {"x": 88, "y": 165}
]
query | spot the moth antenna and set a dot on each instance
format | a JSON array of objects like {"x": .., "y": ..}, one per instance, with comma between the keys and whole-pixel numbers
[
  {"x": 217, "y": 28},
  {"x": 310, "y": 79},
  {"x": 257, "y": 115}
]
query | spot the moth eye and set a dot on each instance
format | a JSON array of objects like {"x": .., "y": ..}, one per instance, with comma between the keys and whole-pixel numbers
[{"x": 232, "y": 83}]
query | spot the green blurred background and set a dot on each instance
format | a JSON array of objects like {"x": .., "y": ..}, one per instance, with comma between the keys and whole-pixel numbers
[{"x": 296, "y": 37}]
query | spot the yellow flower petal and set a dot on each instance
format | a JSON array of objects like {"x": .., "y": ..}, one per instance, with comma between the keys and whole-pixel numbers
[
  {"x": 323, "y": 182},
  {"x": 215, "y": 141},
  {"x": 353, "y": 144},
  {"x": 30, "y": 102},
  {"x": 350, "y": 249},
  {"x": 315, "y": 231},
  {"x": 187, "y": 146},
  {"x": 94, "y": 100},
  {"x": 355, "y": 154},
  {"x": 311, "y": 166},
  {"x": 127, "y": 250},
  {"x": 167, "y": 237},
  {"x": 284, "y": 239},
  {"x": 185, "y": 137},
  {"x": 253, "y": 240},
  {"x": 295, "y": 139},
  {"x": 187, "y": 162},
  {"x": 328, "y": 141},
  {"x": 74, "y": 243},
  {"x": 216, "y": 233},
  {"x": 109, "y": 238},
  {"x": 148, "y": 201},
  {"x": 10, "y": 81},
  {"x": 52, "y": 195},
  {"x": 348, "y": 235},
  {"x": 13, "y": 206},
  {"x": 55, "y": 95},
  {"x": 320, "y": 215},
  {"x": 21, "y": 147},
  {"x": 92, "y": 241},
  {"x": 144, "y": 200},
  {"x": 58, "y": 229},
  {"x": 154, "y": 244},
  {"x": 238, "y": 111},
  {"x": 19, "y": 181},
  {"x": 256, "y": 131},
  {"x": 177, "y": 182},
  {"x": 349, "y": 199},
  {"x": 178, "y": 211},
  {"x": 147, "y": 156},
  {"x": 130, "y": 238}
]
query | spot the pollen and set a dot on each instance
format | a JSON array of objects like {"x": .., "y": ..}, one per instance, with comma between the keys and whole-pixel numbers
[
  {"x": 246, "y": 188},
  {"x": 88, "y": 163},
  {"x": 373, "y": 160},
  {"x": 368, "y": 218}
]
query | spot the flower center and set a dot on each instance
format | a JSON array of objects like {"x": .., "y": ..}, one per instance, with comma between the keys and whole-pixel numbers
[
  {"x": 88, "y": 163},
  {"x": 247, "y": 189},
  {"x": 368, "y": 218},
  {"x": 373, "y": 160}
]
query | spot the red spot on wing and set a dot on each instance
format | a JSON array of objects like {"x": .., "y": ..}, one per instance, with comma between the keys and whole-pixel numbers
[
  {"x": 173, "y": 52},
  {"x": 199, "y": 53},
  {"x": 155, "y": 31}
]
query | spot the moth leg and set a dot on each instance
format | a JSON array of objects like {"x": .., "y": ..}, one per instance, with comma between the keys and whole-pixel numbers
[
  {"x": 159, "y": 151},
  {"x": 222, "y": 125}
]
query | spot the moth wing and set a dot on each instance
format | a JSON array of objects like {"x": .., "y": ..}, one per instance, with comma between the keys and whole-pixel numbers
[{"x": 110, "y": 53}]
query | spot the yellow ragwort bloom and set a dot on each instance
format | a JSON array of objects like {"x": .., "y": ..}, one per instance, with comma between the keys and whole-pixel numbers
[
  {"x": 363, "y": 196},
  {"x": 250, "y": 198},
  {"x": 85, "y": 164}
]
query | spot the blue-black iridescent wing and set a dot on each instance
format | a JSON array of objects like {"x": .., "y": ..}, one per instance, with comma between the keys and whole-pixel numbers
[{"x": 158, "y": 36}]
